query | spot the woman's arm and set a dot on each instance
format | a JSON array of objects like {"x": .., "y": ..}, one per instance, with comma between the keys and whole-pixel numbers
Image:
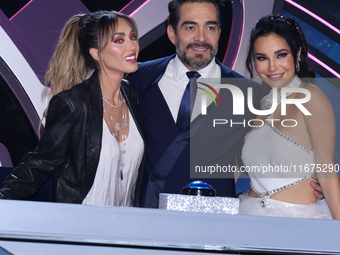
[
  {"x": 321, "y": 129},
  {"x": 318, "y": 193},
  {"x": 37, "y": 166}
]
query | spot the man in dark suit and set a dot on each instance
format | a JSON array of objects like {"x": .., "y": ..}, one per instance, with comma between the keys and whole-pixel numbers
[{"x": 194, "y": 28}]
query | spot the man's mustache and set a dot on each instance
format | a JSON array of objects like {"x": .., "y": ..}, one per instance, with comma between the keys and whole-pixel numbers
[{"x": 199, "y": 45}]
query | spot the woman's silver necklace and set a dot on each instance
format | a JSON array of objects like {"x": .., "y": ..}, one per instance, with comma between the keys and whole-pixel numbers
[
  {"x": 118, "y": 126},
  {"x": 122, "y": 150},
  {"x": 115, "y": 106},
  {"x": 123, "y": 143}
]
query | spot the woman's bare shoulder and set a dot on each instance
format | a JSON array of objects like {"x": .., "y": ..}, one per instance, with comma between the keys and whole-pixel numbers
[{"x": 317, "y": 95}]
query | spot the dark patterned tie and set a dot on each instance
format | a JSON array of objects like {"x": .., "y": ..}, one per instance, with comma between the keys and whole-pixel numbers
[{"x": 183, "y": 118}]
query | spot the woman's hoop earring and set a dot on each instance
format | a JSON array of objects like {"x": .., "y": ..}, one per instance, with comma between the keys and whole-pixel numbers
[{"x": 297, "y": 66}]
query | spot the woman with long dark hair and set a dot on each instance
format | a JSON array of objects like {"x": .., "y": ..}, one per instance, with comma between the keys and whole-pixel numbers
[{"x": 292, "y": 144}]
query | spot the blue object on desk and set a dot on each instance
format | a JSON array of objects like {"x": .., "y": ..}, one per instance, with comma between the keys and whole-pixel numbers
[{"x": 199, "y": 188}]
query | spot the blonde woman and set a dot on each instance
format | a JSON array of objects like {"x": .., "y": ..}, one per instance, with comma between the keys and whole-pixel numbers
[{"x": 92, "y": 146}]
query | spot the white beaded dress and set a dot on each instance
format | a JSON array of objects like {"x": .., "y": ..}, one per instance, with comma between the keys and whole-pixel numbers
[{"x": 283, "y": 159}]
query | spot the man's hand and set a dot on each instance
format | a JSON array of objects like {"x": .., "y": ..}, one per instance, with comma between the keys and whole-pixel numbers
[{"x": 316, "y": 186}]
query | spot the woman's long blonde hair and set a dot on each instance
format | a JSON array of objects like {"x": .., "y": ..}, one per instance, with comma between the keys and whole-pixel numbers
[{"x": 67, "y": 66}]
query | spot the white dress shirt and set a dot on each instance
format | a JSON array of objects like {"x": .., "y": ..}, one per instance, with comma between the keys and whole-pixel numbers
[{"x": 175, "y": 80}]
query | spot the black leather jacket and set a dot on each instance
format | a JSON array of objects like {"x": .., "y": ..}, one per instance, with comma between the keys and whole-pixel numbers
[{"x": 69, "y": 148}]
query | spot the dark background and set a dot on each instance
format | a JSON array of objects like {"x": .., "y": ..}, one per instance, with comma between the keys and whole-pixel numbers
[
  {"x": 10, "y": 7},
  {"x": 158, "y": 47}
]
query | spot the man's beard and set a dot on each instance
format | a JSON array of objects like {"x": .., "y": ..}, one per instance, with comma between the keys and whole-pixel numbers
[{"x": 196, "y": 62}]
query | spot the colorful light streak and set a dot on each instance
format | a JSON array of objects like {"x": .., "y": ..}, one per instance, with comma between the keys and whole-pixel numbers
[
  {"x": 323, "y": 65},
  {"x": 326, "y": 24},
  {"x": 20, "y": 10},
  {"x": 314, "y": 16},
  {"x": 140, "y": 7},
  {"x": 126, "y": 5}
]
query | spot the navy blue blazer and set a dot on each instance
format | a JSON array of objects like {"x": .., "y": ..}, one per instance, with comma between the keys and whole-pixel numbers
[{"x": 219, "y": 146}]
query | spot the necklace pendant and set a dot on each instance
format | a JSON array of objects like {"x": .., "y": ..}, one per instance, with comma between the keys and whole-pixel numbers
[
  {"x": 118, "y": 126},
  {"x": 268, "y": 104},
  {"x": 264, "y": 202}
]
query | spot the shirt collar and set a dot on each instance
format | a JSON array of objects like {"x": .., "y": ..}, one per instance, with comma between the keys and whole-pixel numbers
[{"x": 180, "y": 69}]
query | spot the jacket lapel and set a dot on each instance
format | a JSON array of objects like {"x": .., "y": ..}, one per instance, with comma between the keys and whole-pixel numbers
[
  {"x": 94, "y": 129},
  {"x": 156, "y": 104}
]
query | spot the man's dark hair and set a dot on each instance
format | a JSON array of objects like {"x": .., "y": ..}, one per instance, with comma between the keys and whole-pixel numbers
[{"x": 175, "y": 10}]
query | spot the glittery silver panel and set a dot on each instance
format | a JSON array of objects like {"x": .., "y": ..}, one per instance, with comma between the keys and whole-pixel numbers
[{"x": 188, "y": 203}]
